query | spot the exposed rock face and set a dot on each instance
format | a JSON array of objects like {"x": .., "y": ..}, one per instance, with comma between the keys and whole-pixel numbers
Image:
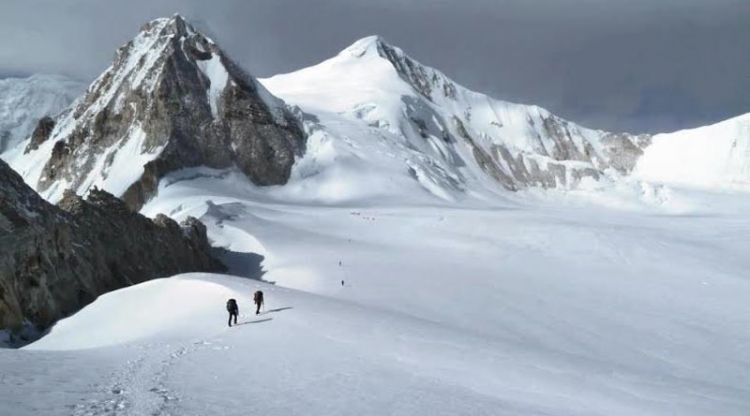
[
  {"x": 567, "y": 153},
  {"x": 56, "y": 259},
  {"x": 622, "y": 151},
  {"x": 41, "y": 133},
  {"x": 171, "y": 99}
]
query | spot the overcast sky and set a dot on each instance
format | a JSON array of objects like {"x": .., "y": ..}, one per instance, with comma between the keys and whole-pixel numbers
[{"x": 637, "y": 65}]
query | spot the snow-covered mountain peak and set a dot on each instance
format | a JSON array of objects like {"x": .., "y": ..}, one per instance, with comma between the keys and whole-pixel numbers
[
  {"x": 367, "y": 46},
  {"x": 423, "y": 79},
  {"x": 456, "y": 137}
]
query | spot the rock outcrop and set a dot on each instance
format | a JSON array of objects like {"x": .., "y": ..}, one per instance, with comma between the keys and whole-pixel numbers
[
  {"x": 41, "y": 133},
  {"x": 56, "y": 259},
  {"x": 171, "y": 99}
]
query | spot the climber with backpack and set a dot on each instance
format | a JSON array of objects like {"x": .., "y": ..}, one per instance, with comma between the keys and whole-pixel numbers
[
  {"x": 258, "y": 299},
  {"x": 233, "y": 310}
]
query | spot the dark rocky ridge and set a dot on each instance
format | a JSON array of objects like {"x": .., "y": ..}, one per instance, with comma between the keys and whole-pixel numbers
[
  {"x": 56, "y": 259},
  {"x": 158, "y": 91}
]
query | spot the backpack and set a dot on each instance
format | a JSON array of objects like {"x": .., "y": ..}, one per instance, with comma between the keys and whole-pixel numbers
[
  {"x": 231, "y": 305},
  {"x": 258, "y": 297}
]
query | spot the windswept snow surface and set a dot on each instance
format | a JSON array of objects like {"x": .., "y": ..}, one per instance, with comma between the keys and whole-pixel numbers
[{"x": 535, "y": 305}]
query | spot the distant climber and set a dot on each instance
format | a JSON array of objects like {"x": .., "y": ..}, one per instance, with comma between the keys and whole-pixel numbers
[
  {"x": 258, "y": 299},
  {"x": 233, "y": 310}
]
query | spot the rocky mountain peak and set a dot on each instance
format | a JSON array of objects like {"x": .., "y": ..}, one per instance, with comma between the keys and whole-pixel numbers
[
  {"x": 171, "y": 99},
  {"x": 175, "y": 25}
]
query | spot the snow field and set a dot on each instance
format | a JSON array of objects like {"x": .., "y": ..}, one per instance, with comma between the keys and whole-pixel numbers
[{"x": 530, "y": 306}]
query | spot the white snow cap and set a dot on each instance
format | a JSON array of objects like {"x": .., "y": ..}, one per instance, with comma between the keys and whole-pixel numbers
[{"x": 364, "y": 46}]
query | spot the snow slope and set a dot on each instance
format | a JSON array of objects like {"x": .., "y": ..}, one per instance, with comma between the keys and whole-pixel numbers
[
  {"x": 708, "y": 157},
  {"x": 23, "y": 101}
]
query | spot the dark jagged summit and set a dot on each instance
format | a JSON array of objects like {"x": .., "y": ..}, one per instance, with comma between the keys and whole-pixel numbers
[{"x": 171, "y": 99}]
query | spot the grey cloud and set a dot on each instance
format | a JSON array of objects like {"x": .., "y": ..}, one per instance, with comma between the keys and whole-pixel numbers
[{"x": 638, "y": 65}]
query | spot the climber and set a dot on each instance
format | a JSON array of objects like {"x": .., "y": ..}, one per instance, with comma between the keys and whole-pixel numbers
[
  {"x": 258, "y": 299},
  {"x": 233, "y": 310}
]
